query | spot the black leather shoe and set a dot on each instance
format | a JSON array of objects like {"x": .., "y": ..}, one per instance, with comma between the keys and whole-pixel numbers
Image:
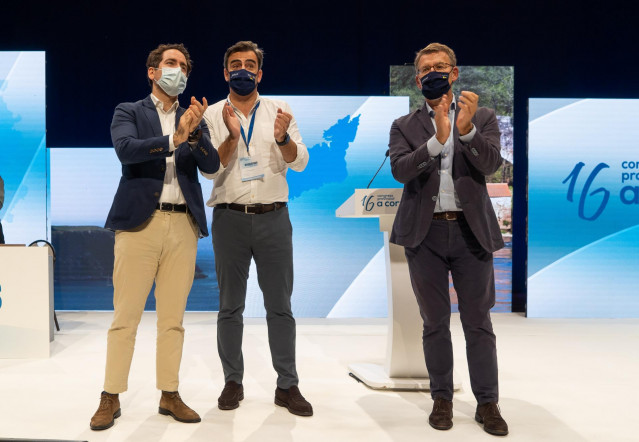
[
  {"x": 231, "y": 396},
  {"x": 489, "y": 415},
  {"x": 441, "y": 418},
  {"x": 293, "y": 401}
]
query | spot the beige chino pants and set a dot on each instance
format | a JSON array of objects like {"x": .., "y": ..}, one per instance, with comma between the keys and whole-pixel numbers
[{"x": 163, "y": 250}]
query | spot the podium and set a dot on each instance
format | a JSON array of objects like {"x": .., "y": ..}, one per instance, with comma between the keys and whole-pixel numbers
[
  {"x": 26, "y": 302},
  {"x": 404, "y": 367}
]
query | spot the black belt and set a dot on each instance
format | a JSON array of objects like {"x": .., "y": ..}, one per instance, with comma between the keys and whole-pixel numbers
[
  {"x": 448, "y": 216},
  {"x": 168, "y": 207},
  {"x": 253, "y": 209}
]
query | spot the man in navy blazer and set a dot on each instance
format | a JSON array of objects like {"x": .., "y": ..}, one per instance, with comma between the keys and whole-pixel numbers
[
  {"x": 142, "y": 149},
  {"x": 158, "y": 217},
  {"x": 442, "y": 153}
]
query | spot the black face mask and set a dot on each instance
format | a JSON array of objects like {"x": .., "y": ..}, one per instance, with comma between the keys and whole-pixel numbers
[
  {"x": 435, "y": 84},
  {"x": 243, "y": 82}
]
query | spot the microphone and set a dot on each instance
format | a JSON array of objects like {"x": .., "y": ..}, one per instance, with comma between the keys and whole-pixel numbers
[{"x": 380, "y": 168}]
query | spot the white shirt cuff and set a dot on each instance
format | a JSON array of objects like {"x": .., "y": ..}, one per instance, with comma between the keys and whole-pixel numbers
[
  {"x": 434, "y": 146},
  {"x": 469, "y": 136}
]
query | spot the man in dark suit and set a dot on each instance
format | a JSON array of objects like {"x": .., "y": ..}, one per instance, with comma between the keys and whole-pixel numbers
[
  {"x": 442, "y": 153},
  {"x": 158, "y": 216}
]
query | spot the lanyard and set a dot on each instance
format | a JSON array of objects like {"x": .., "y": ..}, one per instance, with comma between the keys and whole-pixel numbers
[{"x": 250, "y": 132}]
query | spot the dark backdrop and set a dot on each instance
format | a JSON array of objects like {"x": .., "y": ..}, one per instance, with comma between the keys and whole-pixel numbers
[{"x": 96, "y": 53}]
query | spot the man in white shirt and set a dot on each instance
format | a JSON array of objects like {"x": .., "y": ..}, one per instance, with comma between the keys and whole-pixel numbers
[
  {"x": 158, "y": 216},
  {"x": 258, "y": 141}
]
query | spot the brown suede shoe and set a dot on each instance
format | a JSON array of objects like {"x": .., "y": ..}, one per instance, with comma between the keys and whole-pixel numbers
[
  {"x": 293, "y": 401},
  {"x": 489, "y": 415},
  {"x": 108, "y": 411},
  {"x": 171, "y": 405},
  {"x": 441, "y": 418},
  {"x": 231, "y": 396}
]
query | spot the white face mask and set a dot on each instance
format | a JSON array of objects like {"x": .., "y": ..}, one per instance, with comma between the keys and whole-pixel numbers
[{"x": 173, "y": 81}]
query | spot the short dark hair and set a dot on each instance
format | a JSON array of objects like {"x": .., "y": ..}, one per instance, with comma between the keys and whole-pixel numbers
[
  {"x": 436, "y": 47},
  {"x": 155, "y": 57},
  {"x": 243, "y": 46}
]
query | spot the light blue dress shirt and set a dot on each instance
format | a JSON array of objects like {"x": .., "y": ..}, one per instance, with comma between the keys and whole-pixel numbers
[{"x": 447, "y": 199}]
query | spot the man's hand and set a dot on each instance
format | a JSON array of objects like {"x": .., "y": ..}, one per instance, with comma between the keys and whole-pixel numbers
[
  {"x": 231, "y": 122},
  {"x": 467, "y": 103},
  {"x": 184, "y": 128},
  {"x": 197, "y": 110},
  {"x": 442, "y": 122},
  {"x": 282, "y": 121}
]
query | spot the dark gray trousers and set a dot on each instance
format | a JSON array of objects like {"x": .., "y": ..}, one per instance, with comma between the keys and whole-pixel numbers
[
  {"x": 267, "y": 239},
  {"x": 451, "y": 246}
]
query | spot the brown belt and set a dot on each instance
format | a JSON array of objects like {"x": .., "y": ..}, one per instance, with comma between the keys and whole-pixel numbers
[
  {"x": 253, "y": 209},
  {"x": 448, "y": 216}
]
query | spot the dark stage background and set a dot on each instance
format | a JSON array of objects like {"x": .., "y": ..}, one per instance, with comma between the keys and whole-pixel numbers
[{"x": 96, "y": 53}]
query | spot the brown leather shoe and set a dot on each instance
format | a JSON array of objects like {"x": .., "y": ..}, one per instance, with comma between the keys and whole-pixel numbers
[
  {"x": 231, "y": 396},
  {"x": 489, "y": 415},
  {"x": 293, "y": 401},
  {"x": 108, "y": 411},
  {"x": 171, "y": 405},
  {"x": 441, "y": 418}
]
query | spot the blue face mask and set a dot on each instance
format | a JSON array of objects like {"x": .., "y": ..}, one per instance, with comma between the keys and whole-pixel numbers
[
  {"x": 242, "y": 82},
  {"x": 173, "y": 81},
  {"x": 435, "y": 84}
]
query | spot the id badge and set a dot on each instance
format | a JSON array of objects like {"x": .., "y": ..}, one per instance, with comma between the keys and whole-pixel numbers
[{"x": 250, "y": 168}]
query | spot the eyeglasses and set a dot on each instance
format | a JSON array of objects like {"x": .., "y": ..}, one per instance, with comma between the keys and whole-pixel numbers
[{"x": 439, "y": 67}]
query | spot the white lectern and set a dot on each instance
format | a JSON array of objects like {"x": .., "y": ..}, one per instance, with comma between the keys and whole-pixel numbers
[
  {"x": 26, "y": 301},
  {"x": 404, "y": 368}
]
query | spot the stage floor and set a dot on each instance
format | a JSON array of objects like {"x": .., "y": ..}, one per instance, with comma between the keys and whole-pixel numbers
[{"x": 560, "y": 380}]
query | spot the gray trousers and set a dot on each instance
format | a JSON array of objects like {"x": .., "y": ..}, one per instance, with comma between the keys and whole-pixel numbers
[
  {"x": 451, "y": 246},
  {"x": 267, "y": 239}
]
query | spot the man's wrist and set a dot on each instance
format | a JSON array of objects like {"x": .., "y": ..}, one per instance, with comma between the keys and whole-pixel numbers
[
  {"x": 285, "y": 141},
  {"x": 194, "y": 136},
  {"x": 177, "y": 140},
  {"x": 466, "y": 130}
]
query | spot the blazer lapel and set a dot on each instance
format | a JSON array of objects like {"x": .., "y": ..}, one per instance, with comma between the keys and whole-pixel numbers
[
  {"x": 424, "y": 118},
  {"x": 152, "y": 116},
  {"x": 455, "y": 130},
  {"x": 178, "y": 114}
]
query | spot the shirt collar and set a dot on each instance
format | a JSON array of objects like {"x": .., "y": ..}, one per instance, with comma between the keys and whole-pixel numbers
[
  {"x": 257, "y": 102},
  {"x": 160, "y": 106}
]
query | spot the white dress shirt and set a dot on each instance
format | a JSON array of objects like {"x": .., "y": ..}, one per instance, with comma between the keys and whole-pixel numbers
[
  {"x": 171, "y": 192},
  {"x": 228, "y": 186}
]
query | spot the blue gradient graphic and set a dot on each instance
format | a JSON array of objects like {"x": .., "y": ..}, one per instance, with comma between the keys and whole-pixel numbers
[
  {"x": 582, "y": 210},
  {"x": 23, "y": 155}
]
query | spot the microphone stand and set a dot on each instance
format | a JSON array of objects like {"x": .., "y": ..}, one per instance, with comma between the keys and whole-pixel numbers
[{"x": 380, "y": 168}]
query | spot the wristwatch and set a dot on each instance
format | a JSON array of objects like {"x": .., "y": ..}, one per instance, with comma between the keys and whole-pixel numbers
[
  {"x": 287, "y": 138},
  {"x": 194, "y": 136}
]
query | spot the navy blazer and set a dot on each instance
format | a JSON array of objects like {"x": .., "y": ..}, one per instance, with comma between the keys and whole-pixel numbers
[
  {"x": 136, "y": 133},
  {"x": 412, "y": 165}
]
